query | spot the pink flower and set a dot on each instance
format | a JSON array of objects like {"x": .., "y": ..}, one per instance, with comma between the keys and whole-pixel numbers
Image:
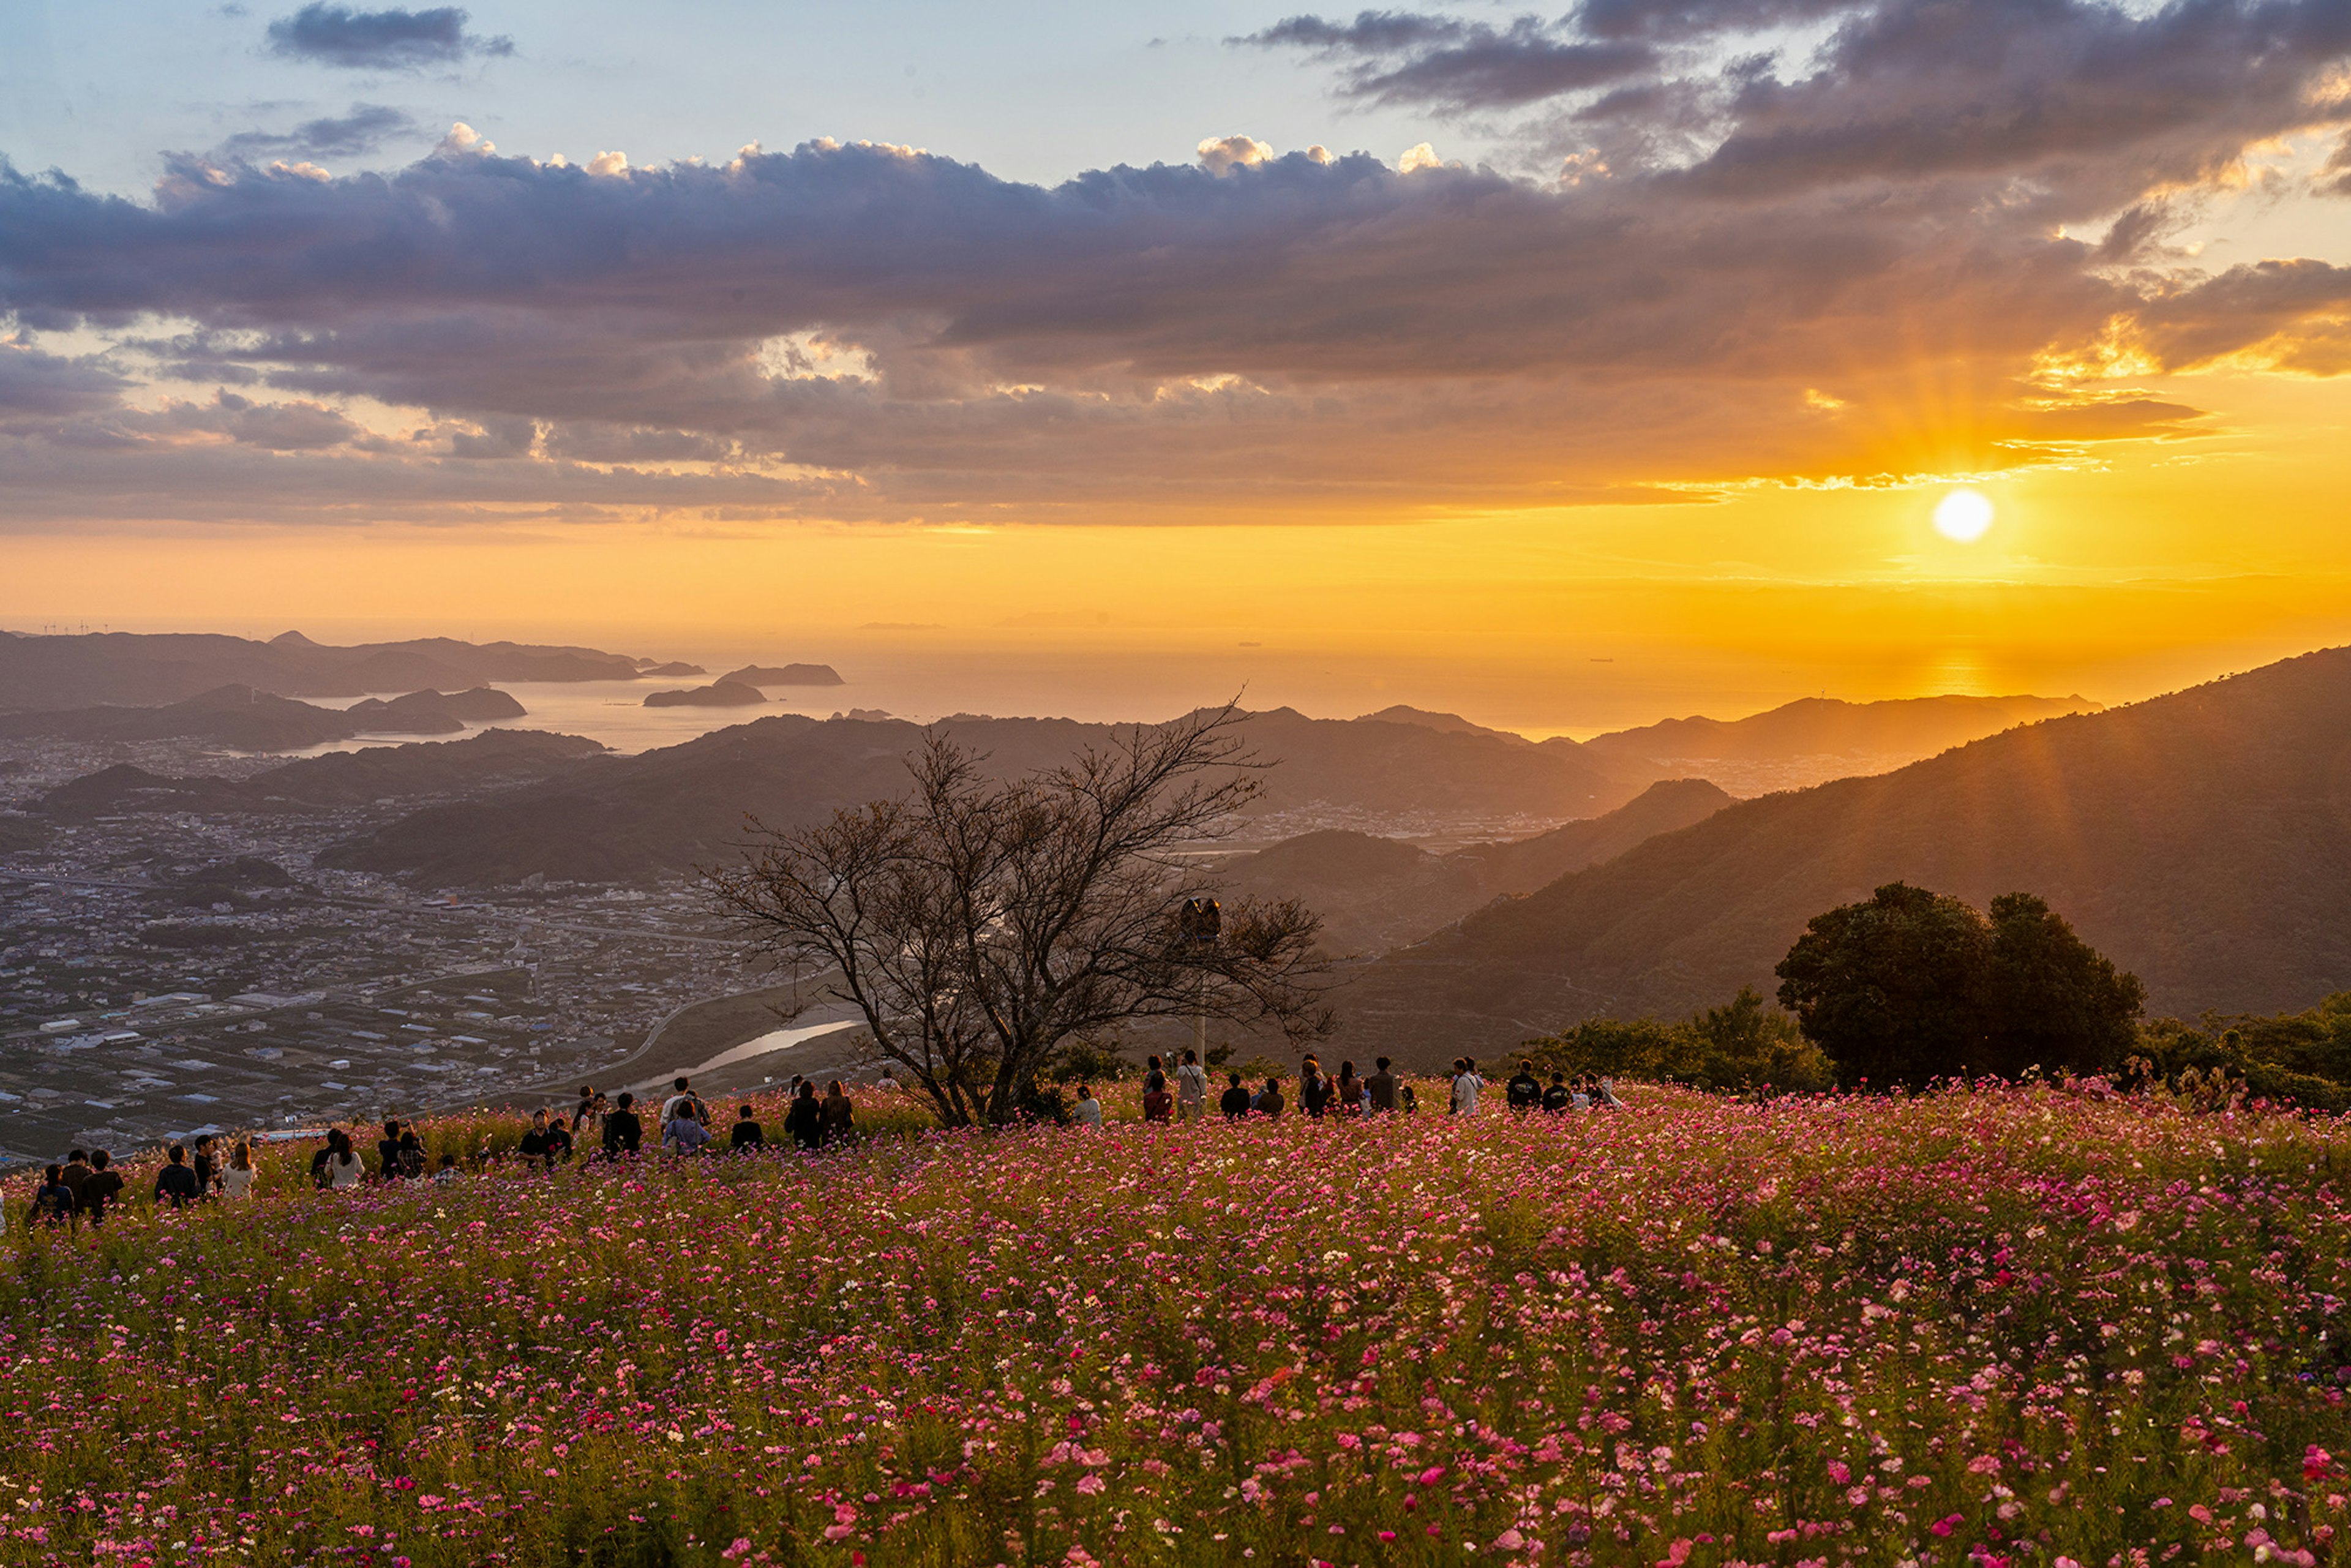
[{"x": 1944, "y": 1527}]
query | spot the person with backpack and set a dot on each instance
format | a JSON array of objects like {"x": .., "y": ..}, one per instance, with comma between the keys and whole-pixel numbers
[
  {"x": 1524, "y": 1091},
  {"x": 622, "y": 1132},
  {"x": 1313, "y": 1089},
  {"x": 1191, "y": 1088},
  {"x": 175, "y": 1184},
  {"x": 684, "y": 1134},
  {"x": 1465, "y": 1084}
]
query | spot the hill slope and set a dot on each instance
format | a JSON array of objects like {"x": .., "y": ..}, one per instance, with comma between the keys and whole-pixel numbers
[
  {"x": 2202, "y": 839},
  {"x": 1374, "y": 892}
]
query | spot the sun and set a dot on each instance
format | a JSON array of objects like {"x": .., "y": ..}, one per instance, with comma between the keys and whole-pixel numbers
[{"x": 1963, "y": 516}]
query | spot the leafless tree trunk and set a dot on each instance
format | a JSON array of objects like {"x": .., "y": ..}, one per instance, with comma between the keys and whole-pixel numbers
[{"x": 978, "y": 924}]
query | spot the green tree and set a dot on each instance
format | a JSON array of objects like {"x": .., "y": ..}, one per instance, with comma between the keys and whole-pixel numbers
[
  {"x": 1893, "y": 989},
  {"x": 2056, "y": 1001},
  {"x": 1913, "y": 986}
]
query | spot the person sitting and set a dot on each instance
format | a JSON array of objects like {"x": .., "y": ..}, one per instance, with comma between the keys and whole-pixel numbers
[
  {"x": 101, "y": 1187},
  {"x": 805, "y": 1120},
  {"x": 1235, "y": 1102},
  {"x": 1268, "y": 1102},
  {"x": 533, "y": 1148},
  {"x": 236, "y": 1181},
  {"x": 344, "y": 1167},
  {"x": 746, "y": 1134},
  {"x": 1088, "y": 1111},
  {"x": 175, "y": 1184},
  {"x": 52, "y": 1200},
  {"x": 1559, "y": 1096},
  {"x": 684, "y": 1134},
  {"x": 840, "y": 1115},
  {"x": 1524, "y": 1091},
  {"x": 448, "y": 1171},
  {"x": 1381, "y": 1086}
]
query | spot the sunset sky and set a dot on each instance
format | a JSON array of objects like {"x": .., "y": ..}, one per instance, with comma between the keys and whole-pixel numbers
[{"x": 1564, "y": 368}]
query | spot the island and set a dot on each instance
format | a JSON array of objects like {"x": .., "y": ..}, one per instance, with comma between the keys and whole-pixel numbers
[
  {"x": 722, "y": 692},
  {"x": 675, "y": 670},
  {"x": 786, "y": 676}
]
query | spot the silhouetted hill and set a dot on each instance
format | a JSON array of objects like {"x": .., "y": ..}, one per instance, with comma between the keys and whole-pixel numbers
[
  {"x": 725, "y": 693},
  {"x": 1814, "y": 740},
  {"x": 232, "y": 716},
  {"x": 1374, "y": 892},
  {"x": 786, "y": 676},
  {"x": 2201, "y": 840},
  {"x": 430, "y": 712},
  {"x": 124, "y": 668},
  {"x": 1451, "y": 723},
  {"x": 629, "y": 818},
  {"x": 493, "y": 759}
]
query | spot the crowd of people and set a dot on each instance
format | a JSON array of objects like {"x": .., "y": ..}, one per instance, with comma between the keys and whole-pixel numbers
[
  {"x": 86, "y": 1187},
  {"x": 1183, "y": 1096}
]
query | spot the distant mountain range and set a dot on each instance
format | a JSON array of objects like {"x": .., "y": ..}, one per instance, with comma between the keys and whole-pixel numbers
[
  {"x": 2201, "y": 840},
  {"x": 245, "y": 719},
  {"x": 1374, "y": 892},
  {"x": 124, "y": 668}
]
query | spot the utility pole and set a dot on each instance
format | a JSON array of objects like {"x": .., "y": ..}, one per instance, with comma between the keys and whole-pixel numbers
[{"x": 1198, "y": 923}]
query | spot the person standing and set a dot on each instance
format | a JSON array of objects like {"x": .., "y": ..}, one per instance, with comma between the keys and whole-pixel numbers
[
  {"x": 1465, "y": 1084},
  {"x": 236, "y": 1180},
  {"x": 175, "y": 1184},
  {"x": 1235, "y": 1102},
  {"x": 390, "y": 1165},
  {"x": 747, "y": 1133},
  {"x": 101, "y": 1187},
  {"x": 1088, "y": 1111},
  {"x": 805, "y": 1120},
  {"x": 681, "y": 1095},
  {"x": 1524, "y": 1091},
  {"x": 584, "y": 1114},
  {"x": 1382, "y": 1086},
  {"x": 207, "y": 1168},
  {"x": 622, "y": 1132},
  {"x": 1191, "y": 1088},
  {"x": 1313, "y": 1089}
]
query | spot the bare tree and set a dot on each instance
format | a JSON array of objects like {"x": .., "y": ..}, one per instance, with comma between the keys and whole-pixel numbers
[{"x": 977, "y": 923}]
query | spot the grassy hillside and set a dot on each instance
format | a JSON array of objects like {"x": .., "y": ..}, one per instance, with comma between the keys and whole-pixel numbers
[
  {"x": 1700, "y": 1331},
  {"x": 2201, "y": 840}
]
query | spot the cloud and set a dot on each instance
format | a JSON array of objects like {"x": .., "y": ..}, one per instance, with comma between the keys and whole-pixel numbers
[
  {"x": 389, "y": 39},
  {"x": 364, "y": 130},
  {"x": 1861, "y": 268},
  {"x": 1402, "y": 58}
]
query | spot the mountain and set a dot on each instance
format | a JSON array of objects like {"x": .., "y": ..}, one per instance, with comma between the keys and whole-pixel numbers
[
  {"x": 232, "y": 716},
  {"x": 1374, "y": 892},
  {"x": 786, "y": 676},
  {"x": 123, "y": 667},
  {"x": 1816, "y": 740},
  {"x": 1449, "y": 723},
  {"x": 494, "y": 759},
  {"x": 2201, "y": 840},
  {"x": 663, "y": 811},
  {"x": 726, "y": 692},
  {"x": 675, "y": 670}
]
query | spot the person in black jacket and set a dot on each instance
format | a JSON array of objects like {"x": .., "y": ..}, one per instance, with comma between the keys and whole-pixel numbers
[
  {"x": 175, "y": 1184},
  {"x": 622, "y": 1132},
  {"x": 747, "y": 1133},
  {"x": 1235, "y": 1102},
  {"x": 1524, "y": 1091},
  {"x": 102, "y": 1185},
  {"x": 1313, "y": 1089},
  {"x": 1559, "y": 1097},
  {"x": 207, "y": 1169},
  {"x": 388, "y": 1163},
  {"x": 805, "y": 1120}
]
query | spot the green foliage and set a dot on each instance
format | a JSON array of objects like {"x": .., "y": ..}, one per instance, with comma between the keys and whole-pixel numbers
[
  {"x": 1912, "y": 986},
  {"x": 1742, "y": 1046},
  {"x": 1084, "y": 1062},
  {"x": 2301, "y": 1058}
]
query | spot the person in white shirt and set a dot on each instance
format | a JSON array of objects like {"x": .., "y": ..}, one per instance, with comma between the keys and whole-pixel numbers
[
  {"x": 1088, "y": 1112},
  {"x": 344, "y": 1167},
  {"x": 1465, "y": 1084},
  {"x": 682, "y": 1097},
  {"x": 887, "y": 1081},
  {"x": 236, "y": 1181},
  {"x": 1191, "y": 1089}
]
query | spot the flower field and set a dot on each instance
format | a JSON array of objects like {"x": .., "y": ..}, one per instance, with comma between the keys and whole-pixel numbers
[{"x": 2015, "y": 1326}]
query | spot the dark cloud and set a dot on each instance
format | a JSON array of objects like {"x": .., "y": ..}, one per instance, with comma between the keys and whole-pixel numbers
[
  {"x": 389, "y": 39},
  {"x": 364, "y": 130},
  {"x": 1395, "y": 56},
  {"x": 1860, "y": 272}
]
